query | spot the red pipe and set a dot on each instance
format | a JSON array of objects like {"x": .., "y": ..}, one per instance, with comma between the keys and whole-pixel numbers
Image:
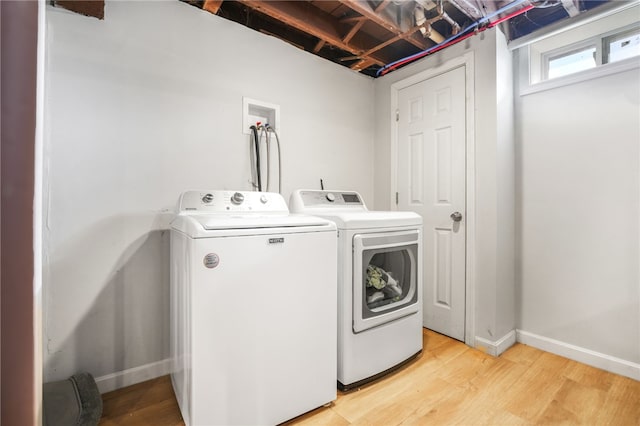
[
  {"x": 464, "y": 37},
  {"x": 511, "y": 15},
  {"x": 437, "y": 49}
]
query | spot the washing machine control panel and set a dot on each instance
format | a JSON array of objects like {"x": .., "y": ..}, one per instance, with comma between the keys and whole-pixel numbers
[
  {"x": 321, "y": 198},
  {"x": 215, "y": 201}
]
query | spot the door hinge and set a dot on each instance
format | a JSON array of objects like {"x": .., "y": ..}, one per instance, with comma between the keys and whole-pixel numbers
[
  {"x": 396, "y": 198},
  {"x": 397, "y": 115}
]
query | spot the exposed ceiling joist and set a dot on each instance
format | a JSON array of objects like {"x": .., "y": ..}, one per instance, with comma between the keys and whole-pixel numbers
[
  {"x": 382, "y": 5},
  {"x": 318, "y": 47},
  {"x": 361, "y": 65},
  {"x": 391, "y": 41},
  {"x": 376, "y": 15},
  {"x": 354, "y": 30},
  {"x": 365, "y": 35},
  {"x": 212, "y": 6},
  {"x": 322, "y": 25}
]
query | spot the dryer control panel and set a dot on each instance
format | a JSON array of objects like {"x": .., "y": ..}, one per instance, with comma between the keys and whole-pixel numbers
[
  {"x": 311, "y": 198},
  {"x": 216, "y": 201}
]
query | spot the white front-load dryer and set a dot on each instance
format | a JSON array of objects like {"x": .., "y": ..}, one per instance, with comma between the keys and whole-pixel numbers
[
  {"x": 379, "y": 283},
  {"x": 253, "y": 312}
]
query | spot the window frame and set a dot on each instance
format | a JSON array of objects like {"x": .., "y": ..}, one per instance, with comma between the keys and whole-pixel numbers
[
  {"x": 563, "y": 51},
  {"x": 600, "y": 42},
  {"x": 613, "y": 36}
]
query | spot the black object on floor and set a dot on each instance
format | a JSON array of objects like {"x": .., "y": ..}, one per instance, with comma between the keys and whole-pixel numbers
[{"x": 72, "y": 402}]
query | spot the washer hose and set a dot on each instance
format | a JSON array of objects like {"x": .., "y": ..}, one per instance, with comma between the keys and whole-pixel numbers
[{"x": 254, "y": 132}]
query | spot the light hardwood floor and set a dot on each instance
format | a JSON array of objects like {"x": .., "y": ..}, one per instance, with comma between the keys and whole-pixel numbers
[{"x": 449, "y": 383}]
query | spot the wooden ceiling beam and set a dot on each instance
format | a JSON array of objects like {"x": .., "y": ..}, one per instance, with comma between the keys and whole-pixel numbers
[
  {"x": 347, "y": 38},
  {"x": 382, "y": 5},
  {"x": 351, "y": 19},
  {"x": 362, "y": 64},
  {"x": 319, "y": 45},
  {"x": 391, "y": 41},
  {"x": 363, "y": 8},
  {"x": 311, "y": 20},
  {"x": 212, "y": 6}
]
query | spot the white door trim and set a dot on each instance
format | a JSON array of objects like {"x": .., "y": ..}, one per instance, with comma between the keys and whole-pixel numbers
[{"x": 466, "y": 61}]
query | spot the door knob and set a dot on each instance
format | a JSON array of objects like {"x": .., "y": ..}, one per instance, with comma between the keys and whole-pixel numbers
[{"x": 456, "y": 216}]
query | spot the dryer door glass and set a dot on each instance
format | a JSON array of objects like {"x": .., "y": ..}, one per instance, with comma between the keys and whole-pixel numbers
[{"x": 385, "y": 277}]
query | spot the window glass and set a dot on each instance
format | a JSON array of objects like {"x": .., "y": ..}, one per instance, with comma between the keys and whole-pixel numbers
[
  {"x": 572, "y": 62},
  {"x": 624, "y": 46}
]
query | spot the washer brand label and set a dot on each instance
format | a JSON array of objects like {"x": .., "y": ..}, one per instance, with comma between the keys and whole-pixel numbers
[
  {"x": 276, "y": 240},
  {"x": 211, "y": 260}
]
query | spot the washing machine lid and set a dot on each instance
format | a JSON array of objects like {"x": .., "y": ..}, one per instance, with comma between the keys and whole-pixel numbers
[
  {"x": 371, "y": 219},
  {"x": 204, "y": 226},
  {"x": 210, "y": 213}
]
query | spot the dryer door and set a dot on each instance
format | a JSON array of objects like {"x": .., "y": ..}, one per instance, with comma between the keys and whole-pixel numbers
[{"x": 385, "y": 277}]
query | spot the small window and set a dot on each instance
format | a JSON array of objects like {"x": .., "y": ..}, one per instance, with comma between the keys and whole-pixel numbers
[
  {"x": 614, "y": 46},
  {"x": 571, "y": 62},
  {"x": 622, "y": 46}
]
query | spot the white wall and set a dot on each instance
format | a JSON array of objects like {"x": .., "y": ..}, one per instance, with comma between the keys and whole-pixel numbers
[
  {"x": 493, "y": 138},
  {"x": 578, "y": 213},
  {"x": 505, "y": 181},
  {"x": 140, "y": 107}
]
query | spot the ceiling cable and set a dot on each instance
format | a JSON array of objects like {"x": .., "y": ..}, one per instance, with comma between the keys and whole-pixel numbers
[{"x": 475, "y": 28}]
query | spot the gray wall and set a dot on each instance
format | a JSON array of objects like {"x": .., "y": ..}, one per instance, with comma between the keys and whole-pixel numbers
[{"x": 140, "y": 107}]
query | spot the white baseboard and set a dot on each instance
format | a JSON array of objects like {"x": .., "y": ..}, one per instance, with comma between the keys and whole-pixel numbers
[
  {"x": 497, "y": 347},
  {"x": 585, "y": 356},
  {"x": 132, "y": 376}
]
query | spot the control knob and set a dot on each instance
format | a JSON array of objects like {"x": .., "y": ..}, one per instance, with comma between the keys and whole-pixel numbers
[
  {"x": 208, "y": 198},
  {"x": 237, "y": 198},
  {"x": 330, "y": 197},
  {"x": 264, "y": 199}
]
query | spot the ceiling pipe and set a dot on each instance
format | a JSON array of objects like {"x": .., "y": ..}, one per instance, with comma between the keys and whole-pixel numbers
[
  {"x": 473, "y": 29},
  {"x": 571, "y": 7},
  {"x": 455, "y": 28},
  {"x": 425, "y": 24},
  {"x": 467, "y": 8}
]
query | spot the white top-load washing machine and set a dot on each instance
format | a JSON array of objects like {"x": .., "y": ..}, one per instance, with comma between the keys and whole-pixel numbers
[
  {"x": 253, "y": 312},
  {"x": 379, "y": 283}
]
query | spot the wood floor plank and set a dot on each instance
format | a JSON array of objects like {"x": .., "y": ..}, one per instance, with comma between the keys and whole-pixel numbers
[
  {"x": 319, "y": 417},
  {"x": 444, "y": 411},
  {"x": 537, "y": 387},
  {"x": 574, "y": 403},
  {"x": 489, "y": 390},
  {"x": 149, "y": 403},
  {"x": 589, "y": 376},
  {"x": 449, "y": 384},
  {"x": 622, "y": 406},
  {"x": 431, "y": 340},
  {"x": 502, "y": 417},
  {"x": 522, "y": 354},
  {"x": 466, "y": 366}
]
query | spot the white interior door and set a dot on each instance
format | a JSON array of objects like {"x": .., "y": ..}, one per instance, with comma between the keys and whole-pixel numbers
[{"x": 431, "y": 181}]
